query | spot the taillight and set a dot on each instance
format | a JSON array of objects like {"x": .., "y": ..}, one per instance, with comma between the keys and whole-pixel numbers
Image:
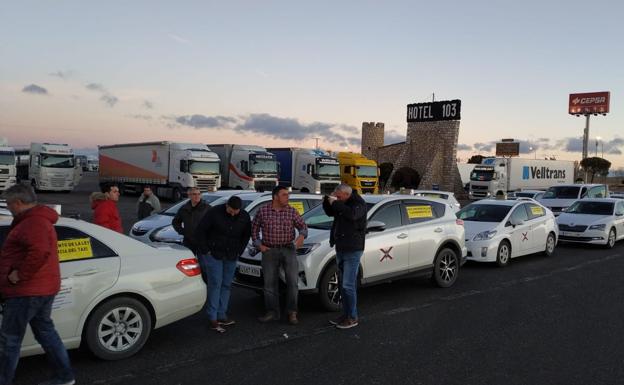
[
  {"x": 459, "y": 222},
  {"x": 190, "y": 267}
]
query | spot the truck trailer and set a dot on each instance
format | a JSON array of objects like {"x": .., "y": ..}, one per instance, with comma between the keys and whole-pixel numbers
[
  {"x": 514, "y": 174},
  {"x": 307, "y": 170},
  {"x": 246, "y": 167},
  {"x": 170, "y": 168},
  {"x": 359, "y": 172}
]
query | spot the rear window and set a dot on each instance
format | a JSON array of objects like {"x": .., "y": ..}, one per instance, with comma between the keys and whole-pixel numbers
[{"x": 562, "y": 192}]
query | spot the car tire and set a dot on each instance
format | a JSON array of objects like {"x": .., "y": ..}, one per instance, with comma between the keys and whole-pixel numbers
[
  {"x": 503, "y": 254},
  {"x": 108, "y": 326},
  {"x": 329, "y": 291},
  {"x": 611, "y": 239},
  {"x": 445, "y": 267},
  {"x": 551, "y": 242}
]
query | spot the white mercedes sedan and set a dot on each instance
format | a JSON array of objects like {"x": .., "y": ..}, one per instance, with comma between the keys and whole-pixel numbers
[
  {"x": 116, "y": 290},
  {"x": 596, "y": 221},
  {"x": 498, "y": 230}
]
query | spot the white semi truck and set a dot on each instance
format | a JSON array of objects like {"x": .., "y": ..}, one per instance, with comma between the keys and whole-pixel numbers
[
  {"x": 307, "y": 170},
  {"x": 8, "y": 170},
  {"x": 246, "y": 167},
  {"x": 53, "y": 167},
  {"x": 514, "y": 174},
  {"x": 170, "y": 168}
]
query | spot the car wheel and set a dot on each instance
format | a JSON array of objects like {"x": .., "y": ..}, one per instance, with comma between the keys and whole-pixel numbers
[
  {"x": 550, "y": 245},
  {"x": 118, "y": 328},
  {"x": 329, "y": 290},
  {"x": 503, "y": 254},
  {"x": 611, "y": 239},
  {"x": 445, "y": 267}
]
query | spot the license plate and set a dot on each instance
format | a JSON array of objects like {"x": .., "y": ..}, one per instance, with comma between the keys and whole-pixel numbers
[{"x": 249, "y": 270}]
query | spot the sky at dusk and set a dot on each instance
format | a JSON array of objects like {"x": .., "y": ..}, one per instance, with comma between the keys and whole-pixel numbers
[{"x": 281, "y": 73}]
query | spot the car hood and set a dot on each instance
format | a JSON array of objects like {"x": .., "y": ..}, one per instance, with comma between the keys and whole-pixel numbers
[
  {"x": 168, "y": 234},
  {"x": 473, "y": 228},
  {"x": 557, "y": 202},
  {"x": 581, "y": 219},
  {"x": 317, "y": 236},
  {"x": 153, "y": 221}
]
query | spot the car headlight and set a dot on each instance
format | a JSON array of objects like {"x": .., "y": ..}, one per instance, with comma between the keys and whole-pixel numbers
[
  {"x": 485, "y": 235},
  {"x": 598, "y": 227},
  {"x": 307, "y": 248}
]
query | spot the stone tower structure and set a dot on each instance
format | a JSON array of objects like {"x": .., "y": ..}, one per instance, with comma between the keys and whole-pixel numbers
[{"x": 372, "y": 139}]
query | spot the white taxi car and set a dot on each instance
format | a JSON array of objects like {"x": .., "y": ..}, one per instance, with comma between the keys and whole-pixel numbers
[
  {"x": 498, "y": 230},
  {"x": 406, "y": 236},
  {"x": 116, "y": 290},
  {"x": 597, "y": 221}
]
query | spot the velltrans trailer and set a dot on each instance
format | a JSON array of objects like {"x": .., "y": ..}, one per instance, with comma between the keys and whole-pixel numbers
[{"x": 514, "y": 174}]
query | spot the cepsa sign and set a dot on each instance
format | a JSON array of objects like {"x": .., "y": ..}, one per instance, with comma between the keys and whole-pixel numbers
[
  {"x": 589, "y": 103},
  {"x": 434, "y": 111}
]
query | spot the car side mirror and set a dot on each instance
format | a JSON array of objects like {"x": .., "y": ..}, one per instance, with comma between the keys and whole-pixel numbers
[
  {"x": 375, "y": 226},
  {"x": 516, "y": 222}
]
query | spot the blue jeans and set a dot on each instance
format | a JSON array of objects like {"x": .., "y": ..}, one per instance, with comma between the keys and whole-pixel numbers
[
  {"x": 348, "y": 266},
  {"x": 18, "y": 313},
  {"x": 220, "y": 274}
]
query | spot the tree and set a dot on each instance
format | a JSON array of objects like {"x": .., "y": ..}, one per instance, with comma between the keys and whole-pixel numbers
[
  {"x": 385, "y": 170},
  {"x": 476, "y": 159},
  {"x": 596, "y": 166},
  {"x": 405, "y": 177}
]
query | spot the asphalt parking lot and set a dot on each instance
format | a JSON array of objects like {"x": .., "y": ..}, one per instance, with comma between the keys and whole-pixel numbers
[{"x": 541, "y": 320}]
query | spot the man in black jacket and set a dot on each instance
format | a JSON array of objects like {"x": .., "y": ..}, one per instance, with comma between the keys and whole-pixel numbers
[
  {"x": 348, "y": 234},
  {"x": 222, "y": 236},
  {"x": 188, "y": 217}
]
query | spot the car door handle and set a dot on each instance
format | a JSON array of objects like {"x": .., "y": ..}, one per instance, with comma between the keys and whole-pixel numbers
[
  {"x": 438, "y": 230},
  {"x": 402, "y": 236},
  {"x": 86, "y": 272}
]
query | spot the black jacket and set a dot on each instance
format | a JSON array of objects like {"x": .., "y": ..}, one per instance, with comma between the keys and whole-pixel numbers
[
  {"x": 222, "y": 235},
  {"x": 186, "y": 220},
  {"x": 349, "y": 228}
]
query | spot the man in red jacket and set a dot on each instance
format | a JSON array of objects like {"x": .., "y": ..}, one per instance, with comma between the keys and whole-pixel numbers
[
  {"x": 104, "y": 205},
  {"x": 30, "y": 278}
]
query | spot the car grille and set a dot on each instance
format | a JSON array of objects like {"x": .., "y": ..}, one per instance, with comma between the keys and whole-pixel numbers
[
  {"x": 250, "y": 261},
  {"x": 328, "y": 188},
  {"x": 479, "y": 194},
  {"x": 57, "y": 182},
  {"x": 206, "y": 184},
  {"x": 576, "y": 229},
  {"x": 578, "y": 239},
  {"x": 4, "y": 171},
  {"x": 248, "y": 280},
  {"x": 139, "y": 232},
  {"x": 478, "y": 187},
  {"x": 368, "y": 190},
  {"x": 265, "y": 185}
]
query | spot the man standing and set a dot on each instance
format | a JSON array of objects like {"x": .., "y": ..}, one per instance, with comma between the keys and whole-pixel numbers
[
  {"x": 347, "y": 234},
  {"x": 30, "y": 277},
  {"x": 188, "y": 217},
  {"x": 148, "y": 203},
  {"x": 277, "y": 221},
  {"x": 222, "y": 236},
  {"x": 104, "y": 205}
]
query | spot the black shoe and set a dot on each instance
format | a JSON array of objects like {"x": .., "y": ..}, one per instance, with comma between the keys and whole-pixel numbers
[{"x": 268, "y": 317}]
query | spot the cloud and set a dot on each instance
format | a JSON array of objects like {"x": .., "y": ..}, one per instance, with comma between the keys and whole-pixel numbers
[
  {"x": 570, "y": 144},
  {"x": 141, "y": 117},
  {"x": 35, "y": 89},
  {"x": 147, "y": 104},
  {"x": 202, "y": 121},
  {"x": 95, "y": 87},
  {"x": 180, "y": 39},
  {"x": 464, "y": 147},
  {"x": 106, "y": 97},
  {"x": 392, "y": 137},
  {"x": 484, "y": 146},
  {"x": 63, "y": 74},
  {"x": 109, "y": 100}
]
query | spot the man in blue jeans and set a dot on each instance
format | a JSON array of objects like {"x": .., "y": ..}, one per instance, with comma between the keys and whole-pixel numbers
[
  {"x": 30, "y": 278},
  {"x": 222, "y": 236},
  {"x": 348, "y": 234}
]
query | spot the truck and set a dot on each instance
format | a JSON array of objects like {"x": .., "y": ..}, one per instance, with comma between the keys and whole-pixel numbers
[
  {"x": 246, "y": 167},
  {"x": 8, "y": 169},
  {"x": 169, "y": 168},
  {"x": 307, "y": 170},
  {"x": 53, "y": 167},
  {"x": 359, "y": 172},
  {"x": 514, "y": 174}
]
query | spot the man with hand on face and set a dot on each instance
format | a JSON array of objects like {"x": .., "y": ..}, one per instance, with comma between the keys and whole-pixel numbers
[
  {"x": 277, "y": 222},
  {"x": 348, "y": 233},
  {"x": 188, "y": 217}
]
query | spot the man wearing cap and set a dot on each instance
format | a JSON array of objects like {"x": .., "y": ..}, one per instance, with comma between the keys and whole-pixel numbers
[{"x": 222, "y": 236}]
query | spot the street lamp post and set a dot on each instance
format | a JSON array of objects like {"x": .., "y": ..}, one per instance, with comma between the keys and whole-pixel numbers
[{"x": 597, "y": 139}]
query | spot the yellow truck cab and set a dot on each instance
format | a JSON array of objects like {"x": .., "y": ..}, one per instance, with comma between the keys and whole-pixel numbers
[{"x": 359, "y": 172}]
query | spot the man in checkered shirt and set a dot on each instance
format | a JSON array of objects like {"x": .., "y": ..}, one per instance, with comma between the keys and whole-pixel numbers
[{"x": 273, "y": 232}]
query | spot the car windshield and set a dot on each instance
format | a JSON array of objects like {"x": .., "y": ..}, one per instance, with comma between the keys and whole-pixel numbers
[
  {"x": 525, "y": 195},
  {"x": 592, "y": 208},
  {"x": 317, "y": 219},
  {"x": 484, "y": 213},
  {"x": 7, "y": 157},
  {"x": 367, "y": 171},
  {"x": 173, "y": 210},
  {"x": 562, "y": 192},
  {"x": 199, "y": 167},
  {"x": 57, "y": 161},
  {"x": 482, "y": 175}
]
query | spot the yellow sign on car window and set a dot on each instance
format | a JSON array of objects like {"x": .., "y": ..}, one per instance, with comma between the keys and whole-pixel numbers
[
  {"x": 537, "y": 210},
  {"x": 297, "y": 205},
  {"x": 71, "y": 249},
  {"x": 419, "y": 212}
]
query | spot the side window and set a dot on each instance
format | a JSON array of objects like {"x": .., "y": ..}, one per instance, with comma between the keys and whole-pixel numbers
[
  {"x": 520, "y": 214},
  {"x": 4, "y": 231},
  {"x": 73, "y": 245},
  {"x": 618, "y": 210},
  {"x": 422, "y": 211},
  {"x": 254, "y": 210},
  {"x": 298, "y": 204},
  {"x": 535, "y": 211},
  {"x": 389, "y": 214},
  {"x": 312, "y": 203},
  {"x": 583, "y": 192}
]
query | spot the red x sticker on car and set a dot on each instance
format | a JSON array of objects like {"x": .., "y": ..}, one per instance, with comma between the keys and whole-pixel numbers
[{"x": 386, "y": 254}]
